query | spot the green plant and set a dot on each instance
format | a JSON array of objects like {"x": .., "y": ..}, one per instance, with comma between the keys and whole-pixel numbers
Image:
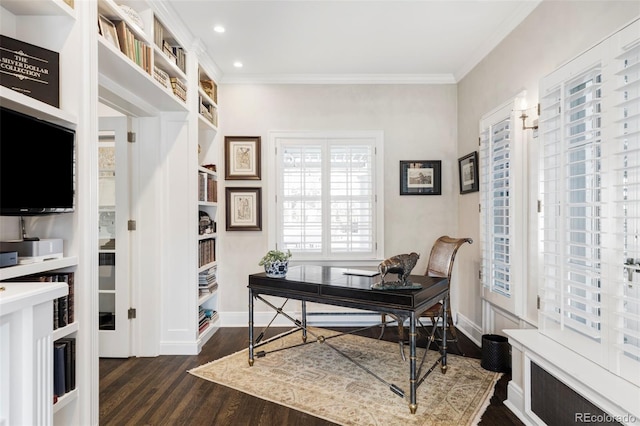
[{"x": 274, "y": 255}]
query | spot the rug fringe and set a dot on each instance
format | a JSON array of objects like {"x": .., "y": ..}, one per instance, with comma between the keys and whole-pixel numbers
[{"x": 487, "y": 401}]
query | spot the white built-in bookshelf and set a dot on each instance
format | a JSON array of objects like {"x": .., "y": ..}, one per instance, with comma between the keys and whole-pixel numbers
[
  {"x": 162, "y": 79},
  {"x": 28, "y": 307}
]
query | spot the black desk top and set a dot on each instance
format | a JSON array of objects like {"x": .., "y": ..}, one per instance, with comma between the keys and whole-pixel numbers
[{"x": 329, "y": 285}]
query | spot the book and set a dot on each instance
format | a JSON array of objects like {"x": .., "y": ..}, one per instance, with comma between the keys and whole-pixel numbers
[
  {"x": 59, "y": 385},
  {"x": 69, "y": 362}
]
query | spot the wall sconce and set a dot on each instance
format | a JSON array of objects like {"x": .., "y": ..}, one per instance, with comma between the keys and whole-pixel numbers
[{"x": 524, "y": 117}]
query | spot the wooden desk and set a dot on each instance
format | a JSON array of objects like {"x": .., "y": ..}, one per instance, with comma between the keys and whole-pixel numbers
[{"x": 329, "y": 285}]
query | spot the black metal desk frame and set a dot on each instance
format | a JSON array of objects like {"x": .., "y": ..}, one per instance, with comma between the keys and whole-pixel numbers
[{"x": 329, "y": 285}]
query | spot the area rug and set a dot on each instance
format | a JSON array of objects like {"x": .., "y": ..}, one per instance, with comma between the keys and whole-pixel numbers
[{"x": 317, "y": 380}]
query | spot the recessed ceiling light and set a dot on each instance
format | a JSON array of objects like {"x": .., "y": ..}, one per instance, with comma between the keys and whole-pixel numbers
[
  {"x": 237, "y": 64},
  {"x": 218, "y": 29}
]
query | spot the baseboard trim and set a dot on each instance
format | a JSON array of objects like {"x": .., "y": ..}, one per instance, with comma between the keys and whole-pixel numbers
[{"x": 469, "y": 329}]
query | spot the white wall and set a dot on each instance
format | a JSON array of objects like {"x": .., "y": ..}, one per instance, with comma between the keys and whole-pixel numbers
[
  {"x": 419, "y": 123},
  {"x": 555, "y": 32}
]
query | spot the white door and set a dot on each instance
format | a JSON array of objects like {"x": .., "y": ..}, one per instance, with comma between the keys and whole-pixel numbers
[{"x": 114, "y": 290}]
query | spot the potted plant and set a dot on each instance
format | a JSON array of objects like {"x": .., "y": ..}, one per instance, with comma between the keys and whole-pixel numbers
[{"x": 276, "y": 263}]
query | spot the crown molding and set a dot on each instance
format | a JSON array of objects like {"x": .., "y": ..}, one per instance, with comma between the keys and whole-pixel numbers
[{"x": 338, "y": 79}]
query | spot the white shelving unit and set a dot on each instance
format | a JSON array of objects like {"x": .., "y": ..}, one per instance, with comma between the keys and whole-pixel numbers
[
  {"x": 28, "y": 335},
  {"x": 208, "y": 189},
  {"x": 170, "y": 130}
]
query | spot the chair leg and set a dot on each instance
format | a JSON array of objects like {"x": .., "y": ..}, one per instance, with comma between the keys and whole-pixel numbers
[
  {"x": 451, "y": 330},
  {"x": 382, "y": 326},
  {"x": 401, "y": 339}
]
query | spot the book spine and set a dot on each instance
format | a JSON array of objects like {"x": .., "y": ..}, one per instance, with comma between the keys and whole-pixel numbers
[{"x": 58, "y": 369}]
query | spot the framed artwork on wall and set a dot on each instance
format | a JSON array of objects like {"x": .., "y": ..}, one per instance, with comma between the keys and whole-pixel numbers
[
  {"x": 243, "y": 209},
  {"x": 242, "y": 157},
  {"x": 468, "y": 173},
  {"x": 420, "y": 177}
]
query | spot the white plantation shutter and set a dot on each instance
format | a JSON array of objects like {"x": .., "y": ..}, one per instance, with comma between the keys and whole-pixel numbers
[
  {"x": 351, "y": 198},
  {"x": 496, "y": 206},
  {"x": 326, "y": 197},
  {"x": 590, "y": 188},
  {"x": 626, "y": 323},
  {"x": 301, "y": 199},
  {"x": 572, "y": 211}
]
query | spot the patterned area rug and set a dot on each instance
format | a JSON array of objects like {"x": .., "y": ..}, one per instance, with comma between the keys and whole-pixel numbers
[{"x": 317, "y": 380}]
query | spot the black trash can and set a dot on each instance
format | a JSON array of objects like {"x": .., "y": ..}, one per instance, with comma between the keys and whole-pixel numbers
[{"x": 496, "y": 353}]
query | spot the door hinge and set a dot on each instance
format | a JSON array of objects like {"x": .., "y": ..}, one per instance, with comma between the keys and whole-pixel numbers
[
  {"x": 479, "y": 141},
  {"x": 539, "y": 206},
  {"x": 131, "y": 137},
  {"x": 538, "y": 302},
  {"x": 131, "y": 225},
  {"x": 479, "y": 208},
  {"x": 131, "y": 313},
  {"x": 480, "y": 274}
]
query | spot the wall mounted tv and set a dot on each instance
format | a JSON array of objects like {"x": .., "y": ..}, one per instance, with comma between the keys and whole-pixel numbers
[{"x": 37, "y": 166}]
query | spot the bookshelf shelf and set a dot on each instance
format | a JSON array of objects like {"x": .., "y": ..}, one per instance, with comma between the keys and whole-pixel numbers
[
  {"x": 207, "y": 266},
  {"x": 120, "y": 75},
  {"x": 65, "y": 331},
  {"x": 36, "y": 268},
  {"x": 41, "y": 8},
  {"x": 207, "y": 297},
  {"x": 65, "y": 400},
  {"x": 207, "y": 236},
  {"x": 30, "y": 106}
]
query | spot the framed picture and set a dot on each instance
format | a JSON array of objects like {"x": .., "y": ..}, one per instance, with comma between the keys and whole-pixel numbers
[
  {"x": 242, "y": 157},
  {"x": 244, "y": 209},
  {"x": 108, "y": 31},
  {"x": 468, "y": 171},
  {"x": 420, "y": 177}
]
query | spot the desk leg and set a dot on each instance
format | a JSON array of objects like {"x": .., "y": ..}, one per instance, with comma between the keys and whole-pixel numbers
[
  {"x": 445, "y": 319},
  {"x": 412, "y": 363},
  {"x": 250, "y": 327},
  {"x": 304, "y": 321}
]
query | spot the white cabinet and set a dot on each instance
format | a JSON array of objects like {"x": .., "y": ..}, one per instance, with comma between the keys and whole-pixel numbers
[{"x": 26, "y": 346}]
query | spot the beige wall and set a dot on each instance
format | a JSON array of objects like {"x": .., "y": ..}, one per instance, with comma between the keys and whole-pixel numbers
[
  {"x": 555, "y": 32},
  {"x": 419, "y": 122}
]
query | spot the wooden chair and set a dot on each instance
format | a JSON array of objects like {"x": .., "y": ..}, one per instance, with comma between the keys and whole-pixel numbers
[{"x": 441, "y": 261}]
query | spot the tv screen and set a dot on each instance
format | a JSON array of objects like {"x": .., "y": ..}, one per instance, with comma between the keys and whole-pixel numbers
[{"x": 37, "y": 166}]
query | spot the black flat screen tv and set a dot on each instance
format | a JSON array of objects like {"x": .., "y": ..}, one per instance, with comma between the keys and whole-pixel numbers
[{"x": 37, "y": 166}]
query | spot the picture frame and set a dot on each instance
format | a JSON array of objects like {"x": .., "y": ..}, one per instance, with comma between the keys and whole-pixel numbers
[
  {"x": 421, "y": 177},
  {"x": 243, "y": 209},
  {"x": 468, "y": 173},
  {"x": 242, "y": 157},
  {"x": 108, "y": 31}
]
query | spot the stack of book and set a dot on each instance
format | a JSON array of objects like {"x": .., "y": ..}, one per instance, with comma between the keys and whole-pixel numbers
[
  {"x": 161, "y": 77},
  {"x": 207, "y": 251},
  {"x": 63, "y": 307},
  {"x": 206, "y": 110},
  {"x": 205, "y": 318},
  {"x": 179, "y": 88},
  {"x": 207, "y": 281},
  {"x": 64, "y": 367}
]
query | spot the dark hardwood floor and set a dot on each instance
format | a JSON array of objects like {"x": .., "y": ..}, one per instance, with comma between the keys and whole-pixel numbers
[{"x": 159, "y": 391}]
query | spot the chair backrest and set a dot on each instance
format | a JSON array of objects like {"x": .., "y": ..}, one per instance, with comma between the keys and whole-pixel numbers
[{"x": 443, "y": 253}]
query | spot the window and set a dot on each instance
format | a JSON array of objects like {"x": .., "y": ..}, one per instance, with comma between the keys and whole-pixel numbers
[
  {"x": 327, "y": 201},
  {"x": 501, "y": 197},
  {"x": 590, "y": 127}
]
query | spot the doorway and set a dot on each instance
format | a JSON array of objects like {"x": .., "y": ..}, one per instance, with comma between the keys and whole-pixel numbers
[{"x": 114, "y": 251}]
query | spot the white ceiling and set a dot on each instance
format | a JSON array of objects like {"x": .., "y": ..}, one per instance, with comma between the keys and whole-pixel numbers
[{"x": 320, "y": 41}]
